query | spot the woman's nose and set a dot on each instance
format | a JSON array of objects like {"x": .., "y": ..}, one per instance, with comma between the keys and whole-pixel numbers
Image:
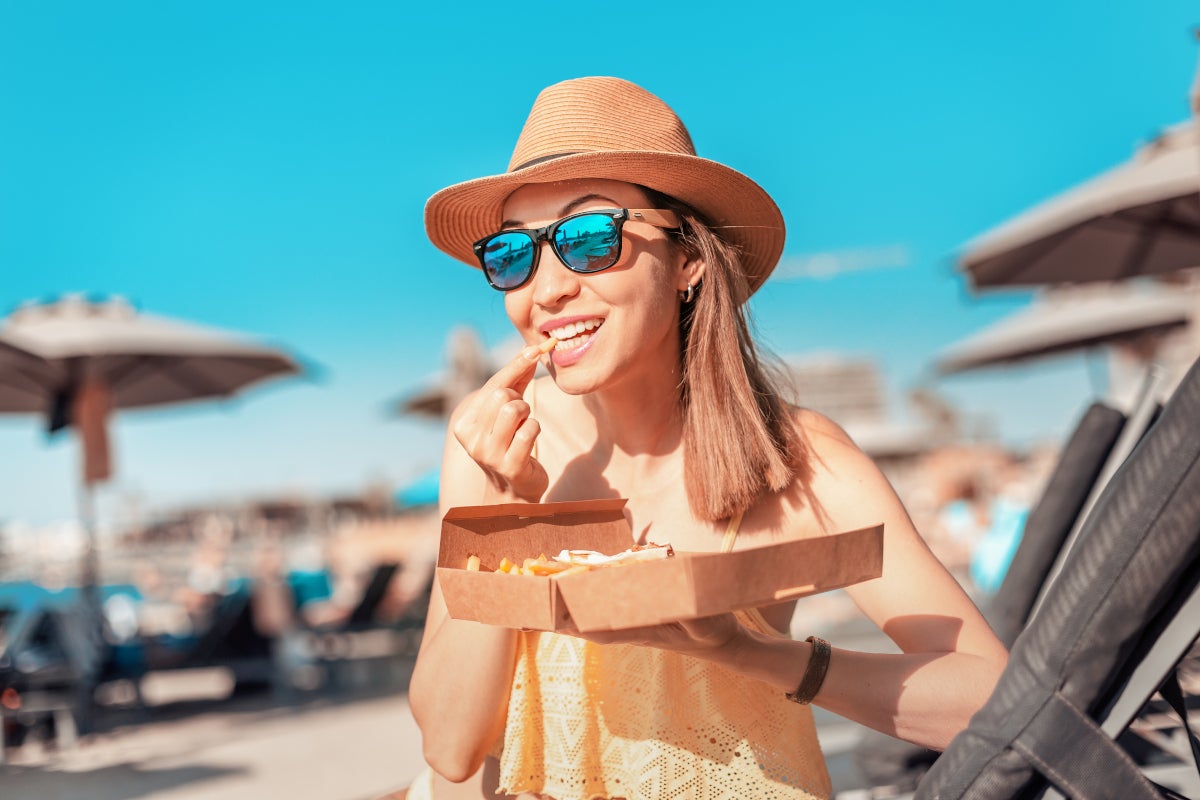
[{"x": 553, "y": 282}]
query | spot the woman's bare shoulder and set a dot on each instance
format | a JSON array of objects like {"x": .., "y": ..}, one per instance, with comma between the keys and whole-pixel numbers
[
  {"x": 836, "y": 482},
  {"x": 826, "y": 444},
  {"x": 813, "y": 424}
]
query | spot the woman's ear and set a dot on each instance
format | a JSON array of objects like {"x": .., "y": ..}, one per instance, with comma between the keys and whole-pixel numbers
[{"x": 691, "y": 272}]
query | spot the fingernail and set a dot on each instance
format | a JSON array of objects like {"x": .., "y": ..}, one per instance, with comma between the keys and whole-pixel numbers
[{"x": 530, "y": 353}]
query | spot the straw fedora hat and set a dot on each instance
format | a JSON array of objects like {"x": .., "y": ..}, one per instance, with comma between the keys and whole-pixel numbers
[{"x": 610, "y": 128}]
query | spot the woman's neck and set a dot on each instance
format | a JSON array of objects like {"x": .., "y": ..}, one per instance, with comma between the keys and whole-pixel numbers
[{"x": 639, "y": 420}]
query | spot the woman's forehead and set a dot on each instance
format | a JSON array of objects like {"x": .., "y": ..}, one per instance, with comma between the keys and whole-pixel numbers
[{"x": 546, "y": 201}]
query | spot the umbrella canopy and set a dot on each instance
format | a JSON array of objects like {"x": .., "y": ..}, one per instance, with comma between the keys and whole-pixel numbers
[
  {"x": 468, "y": 366},
  {"x": 1141, "y": 218},
  {"x": 84, "y": 359},
  {"x": 142, "y": 360},
  {"x": 1071, "y": 320},
  {"x": 21, "y": 372}
]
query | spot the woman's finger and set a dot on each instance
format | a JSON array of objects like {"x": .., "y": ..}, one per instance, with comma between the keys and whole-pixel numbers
[
  {"x": 474, "y": 428},
  {"x": 713, "y": 631},
  {"x": 496, "y": 443},
  {"x": 517, "y": 373},
  {"x": 528, "y": 476},
  {"x": 494, "y": 430},
  {"x": 508, "y": 417}
]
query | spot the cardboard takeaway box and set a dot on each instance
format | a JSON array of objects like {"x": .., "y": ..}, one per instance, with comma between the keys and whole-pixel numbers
[{"x": 644, "y": 593}]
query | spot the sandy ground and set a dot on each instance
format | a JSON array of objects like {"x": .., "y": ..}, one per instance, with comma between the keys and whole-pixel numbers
[
  {"x": 332, "y": 745},
  {"x": 339, "y": 745},
  {"x": 348, "y": 750}
]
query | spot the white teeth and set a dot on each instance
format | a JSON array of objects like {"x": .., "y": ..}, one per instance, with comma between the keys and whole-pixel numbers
[
  {"x": 571, "y": 344},
  {"x": 573, "y": 329}
]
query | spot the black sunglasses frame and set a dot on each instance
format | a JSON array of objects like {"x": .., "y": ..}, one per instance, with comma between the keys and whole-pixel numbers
[{"x": 658, "y": 217}]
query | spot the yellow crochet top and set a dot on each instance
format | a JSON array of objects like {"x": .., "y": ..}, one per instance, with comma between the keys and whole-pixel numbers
[{"x": 620, "y": 721}]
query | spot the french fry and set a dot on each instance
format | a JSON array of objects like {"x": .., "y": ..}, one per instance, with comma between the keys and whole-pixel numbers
[
  {"x": 548, "y": 345},
  {"x": 573, "y": 562},
  {"x": 547, "y": 567},
  {"x": 575, "y": 570}
]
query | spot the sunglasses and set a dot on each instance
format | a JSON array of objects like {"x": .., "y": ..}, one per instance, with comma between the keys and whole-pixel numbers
[{"x": 586, "y": 242}]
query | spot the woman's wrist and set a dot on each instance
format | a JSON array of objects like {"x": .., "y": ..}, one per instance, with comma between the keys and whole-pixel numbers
[{"x": 771, "y": 659}]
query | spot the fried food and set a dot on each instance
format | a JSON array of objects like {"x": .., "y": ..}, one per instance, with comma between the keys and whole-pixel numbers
[
  {"x": 572, "y": 562},
  {"x": 639, "y": 552}
]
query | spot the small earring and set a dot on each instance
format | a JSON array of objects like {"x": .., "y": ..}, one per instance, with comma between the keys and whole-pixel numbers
[{"x": 689, "y": 295}]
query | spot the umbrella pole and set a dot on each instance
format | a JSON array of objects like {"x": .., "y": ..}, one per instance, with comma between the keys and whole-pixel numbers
[
  {"x": 89, "y": 578},
  {"x": 90, "y": 416}
]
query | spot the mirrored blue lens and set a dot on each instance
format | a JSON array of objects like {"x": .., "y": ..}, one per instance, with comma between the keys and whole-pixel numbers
[
  {"x": 588, "y": 243},
  {"x": 508, "y": 259}
]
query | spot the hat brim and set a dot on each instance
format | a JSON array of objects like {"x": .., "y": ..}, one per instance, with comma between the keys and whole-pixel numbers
[{"x": 740, "y": 211}]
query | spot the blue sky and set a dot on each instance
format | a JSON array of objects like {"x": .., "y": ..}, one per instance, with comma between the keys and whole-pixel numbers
[{"x": 262, "y": 167}]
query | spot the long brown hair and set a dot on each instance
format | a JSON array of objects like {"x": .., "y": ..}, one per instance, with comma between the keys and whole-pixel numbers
[{"x": 739, "y": 440}]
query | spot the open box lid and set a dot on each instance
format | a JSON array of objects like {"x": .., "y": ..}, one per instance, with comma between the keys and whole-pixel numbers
[{"x": 517, "y": 531}]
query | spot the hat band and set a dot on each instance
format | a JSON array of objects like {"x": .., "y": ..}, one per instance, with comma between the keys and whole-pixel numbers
[{"x": 535, "y": 161}]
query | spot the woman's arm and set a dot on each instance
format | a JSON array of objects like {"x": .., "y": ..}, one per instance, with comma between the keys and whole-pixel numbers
[
  {"x": 950, "y": 659},
  {"x": 460, "y": 684}
]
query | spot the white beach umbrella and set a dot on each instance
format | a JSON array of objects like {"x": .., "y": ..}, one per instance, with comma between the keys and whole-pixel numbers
[
  {"x": 92, "y": 358},
  {"x": 143, "y": 360},
  {"x": 22, "y": 374},
  {"x": 1067, "y": 320},
  {"x": 1140, "y": 218},
  {"x": 468, "y": 366}
]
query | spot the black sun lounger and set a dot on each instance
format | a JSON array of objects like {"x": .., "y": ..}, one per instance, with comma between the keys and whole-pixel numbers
[
  {"x": 1051, "y": 519},
  {"x": 889, "y": 762},
  {"x": 57, "y": 653},
  {"x": 1103, "y": 637}
]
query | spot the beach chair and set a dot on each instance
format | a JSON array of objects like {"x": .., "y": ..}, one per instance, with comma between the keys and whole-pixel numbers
[
  {"x": 364, "y": 613},
  {"x": 231, "y": 641},
  {"x": 1109, "y": 632},
  {"x": 365, "y": 651},
  {"x": 1052, "y": 519},
  {"x": 53, "y": 663},
  {"x": 7, "y": 615},
  {"x": 888, "y": 762},
  {"x": 232, "y": 637}
]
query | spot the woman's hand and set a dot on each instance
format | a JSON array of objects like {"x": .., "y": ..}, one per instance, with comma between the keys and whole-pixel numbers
[
  {"x": 714, "y": 638},
  {"x": 498, "y": 433}
]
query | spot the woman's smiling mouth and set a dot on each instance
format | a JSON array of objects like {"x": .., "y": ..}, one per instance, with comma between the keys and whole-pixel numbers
[{"x": 574, "y": 334}]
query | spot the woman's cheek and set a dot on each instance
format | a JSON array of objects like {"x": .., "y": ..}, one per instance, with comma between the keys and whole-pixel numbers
[{"x": 518, "y": 307}]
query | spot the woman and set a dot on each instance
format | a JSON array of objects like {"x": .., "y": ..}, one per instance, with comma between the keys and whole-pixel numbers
[{"x": 609, "y": 235}]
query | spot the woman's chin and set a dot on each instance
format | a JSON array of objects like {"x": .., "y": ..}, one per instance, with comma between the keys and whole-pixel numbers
[{"x": 574, "y": 381}]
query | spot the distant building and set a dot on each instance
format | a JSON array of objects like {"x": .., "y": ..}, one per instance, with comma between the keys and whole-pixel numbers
[{"x": 851, "y": 391}]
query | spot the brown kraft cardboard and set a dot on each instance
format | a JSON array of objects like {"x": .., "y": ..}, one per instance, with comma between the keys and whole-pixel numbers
[{"x": 645, "y": 593}]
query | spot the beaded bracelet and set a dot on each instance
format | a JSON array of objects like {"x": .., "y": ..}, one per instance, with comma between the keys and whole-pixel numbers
[{"x": 814, "y": 674}]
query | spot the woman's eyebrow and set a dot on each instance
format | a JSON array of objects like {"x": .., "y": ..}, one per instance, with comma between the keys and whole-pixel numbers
[{"x": 587, "y": 198}]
